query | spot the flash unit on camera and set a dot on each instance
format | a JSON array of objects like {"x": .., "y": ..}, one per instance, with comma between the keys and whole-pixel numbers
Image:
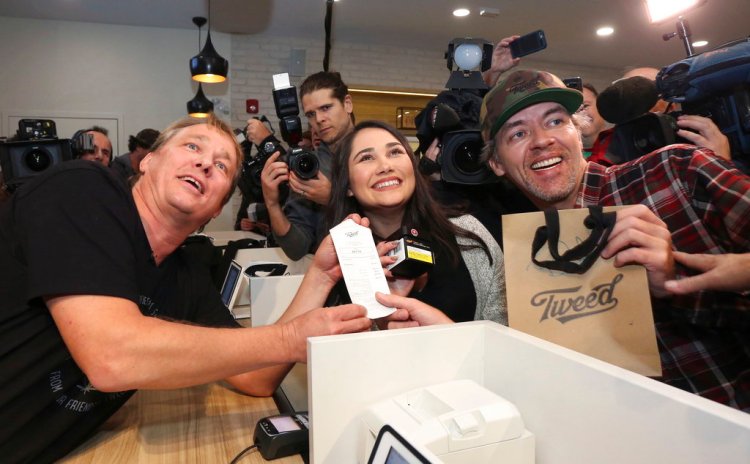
[{"x": 414, "y": 256}]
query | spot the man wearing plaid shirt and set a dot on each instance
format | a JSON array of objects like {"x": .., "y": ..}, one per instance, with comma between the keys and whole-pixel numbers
[{"x": 703, "y": 201}]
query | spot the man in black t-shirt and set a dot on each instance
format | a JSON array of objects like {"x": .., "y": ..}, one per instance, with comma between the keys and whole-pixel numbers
[{"x": 91, "y": 308}]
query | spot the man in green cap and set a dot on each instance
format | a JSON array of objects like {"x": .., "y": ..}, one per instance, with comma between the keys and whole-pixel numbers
[{"x": 687, "y": 198}]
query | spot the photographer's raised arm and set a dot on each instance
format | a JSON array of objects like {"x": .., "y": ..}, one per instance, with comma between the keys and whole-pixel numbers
[
  {"x": 257, "y": 132},
  {"x": 502, "y": 60},
  {"x": 273, "y": 175}
]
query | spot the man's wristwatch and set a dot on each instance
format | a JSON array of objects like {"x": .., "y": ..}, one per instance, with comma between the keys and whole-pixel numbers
[{"x": 269, "y": 145}]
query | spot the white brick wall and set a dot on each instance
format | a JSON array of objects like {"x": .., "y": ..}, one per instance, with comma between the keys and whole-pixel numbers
[{"x": 254, "y": 59}]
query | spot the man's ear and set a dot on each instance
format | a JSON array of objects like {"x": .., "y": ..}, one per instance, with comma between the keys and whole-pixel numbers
[
  {"x": 496, "y": 166},
  {"x": 348, "y": 105}
]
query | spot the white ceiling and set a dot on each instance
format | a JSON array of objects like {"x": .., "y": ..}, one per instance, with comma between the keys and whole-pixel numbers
[{"x": 428, "y": 24}]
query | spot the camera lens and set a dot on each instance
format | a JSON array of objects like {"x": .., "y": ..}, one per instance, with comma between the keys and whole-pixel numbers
[
  {"x": 37, "y": 159},
  {"x": 467, "y": 156},
  {"x": 305, "y": 165},
  {"x": 460, "y": 158}
]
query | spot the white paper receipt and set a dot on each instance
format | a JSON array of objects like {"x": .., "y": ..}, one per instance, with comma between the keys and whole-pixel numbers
[{"x": 360, "y": 263}]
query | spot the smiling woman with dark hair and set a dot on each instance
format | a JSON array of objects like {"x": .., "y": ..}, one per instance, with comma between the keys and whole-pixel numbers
[{"x": 375, "y": 175}]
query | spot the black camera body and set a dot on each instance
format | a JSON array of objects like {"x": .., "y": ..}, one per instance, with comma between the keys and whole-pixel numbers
[
  {"x": 460, "y": 158},
  {"x": 36, "y": 129},
  {"x": 303, "y": 163},
  {"x": 642, "y": 135},
  {"x": 35, "y": 150},
  {"x": 459, "y": 161}
]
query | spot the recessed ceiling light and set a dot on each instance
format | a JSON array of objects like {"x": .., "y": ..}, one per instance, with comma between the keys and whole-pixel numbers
[
  {"x": 604, "y": 31},
  {"x": 461, "y": 12},
  {"x": 700, "y": 43}
]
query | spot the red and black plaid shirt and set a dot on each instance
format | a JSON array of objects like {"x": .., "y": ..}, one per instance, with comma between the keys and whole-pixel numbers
[{"x": 704, "y": 338}]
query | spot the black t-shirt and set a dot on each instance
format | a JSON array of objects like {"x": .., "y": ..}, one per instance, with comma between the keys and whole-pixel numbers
[
  {"x": 76, "y": 230},
  {"x": 449, "y": 288}
]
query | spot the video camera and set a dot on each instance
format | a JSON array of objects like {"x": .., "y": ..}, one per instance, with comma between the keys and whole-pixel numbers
[
  {"x": 453, "y": 117},
  {"x": 714, "y": 84},
  {"x": 36, "y": 148},
  {"x": 459, "y": 161}
]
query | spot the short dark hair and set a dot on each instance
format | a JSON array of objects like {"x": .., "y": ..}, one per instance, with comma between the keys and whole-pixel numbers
[
  {"x": 144, "y": 139},
  {"x": 100, "y": 129},
  {"x": 325, "y": 80},
  {"x": 587, "y": 85}
]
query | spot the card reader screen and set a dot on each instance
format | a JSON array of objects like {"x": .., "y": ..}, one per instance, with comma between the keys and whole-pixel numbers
[
  {"x": 284, "y": 423},
  {"x": 229, "y": 283},
  {"x": 394, "y": 457}
]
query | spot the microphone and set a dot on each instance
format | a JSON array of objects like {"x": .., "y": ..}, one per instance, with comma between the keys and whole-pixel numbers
[
  {"x": 443, "y": 118},
  {"x": 627, "y": 99}
]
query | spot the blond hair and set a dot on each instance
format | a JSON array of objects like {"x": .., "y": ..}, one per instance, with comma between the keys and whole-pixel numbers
[{"x": 212, "y": 121}]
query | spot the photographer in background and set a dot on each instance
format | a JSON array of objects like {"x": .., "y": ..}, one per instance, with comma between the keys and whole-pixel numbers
[
  {"x": 297, "y": 224},
  {"x": 139, "y": 145},
  {"x": 698, "y": 130},
  {"x": 593, "y": 123},
  {"x": 252, "y": 215},
  {"x": 102, "y": 151}
]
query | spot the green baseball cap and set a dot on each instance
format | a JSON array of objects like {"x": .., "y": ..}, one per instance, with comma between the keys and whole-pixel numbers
[{"x": 520, "y": 90}]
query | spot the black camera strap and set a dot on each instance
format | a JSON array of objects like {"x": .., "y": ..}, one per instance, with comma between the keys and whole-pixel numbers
[{"x": 587, "y": 251}]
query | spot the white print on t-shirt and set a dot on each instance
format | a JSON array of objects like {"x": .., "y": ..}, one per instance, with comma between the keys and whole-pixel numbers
[
  {"x": 148, "y": 307},
  {"x": 78, "y": 404}
]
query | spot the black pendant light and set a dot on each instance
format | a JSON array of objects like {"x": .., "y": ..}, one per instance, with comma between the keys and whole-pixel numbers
[
  {"x": 208, "y": 66},
  {"x": 200, "y": 106}
]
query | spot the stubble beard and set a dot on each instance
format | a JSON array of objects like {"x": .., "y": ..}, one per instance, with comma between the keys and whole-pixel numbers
[{"x": 551, "y": 194}]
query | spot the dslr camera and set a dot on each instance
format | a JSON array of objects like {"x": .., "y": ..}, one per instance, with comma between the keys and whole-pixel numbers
[
  {"x": 304, "y": 164},
  {"x": 250, "y": 183},
  {"x": 36, "y": 148}
]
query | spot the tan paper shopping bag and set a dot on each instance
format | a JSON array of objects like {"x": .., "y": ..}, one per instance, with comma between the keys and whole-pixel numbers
[{"x": 564, "y": 292}]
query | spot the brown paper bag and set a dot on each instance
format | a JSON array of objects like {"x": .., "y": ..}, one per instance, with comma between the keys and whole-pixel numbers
[{"x": 602, "y": 311}]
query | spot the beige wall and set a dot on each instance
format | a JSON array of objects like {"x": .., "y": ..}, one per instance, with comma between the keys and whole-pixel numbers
[{"x": 140, "y": 74}]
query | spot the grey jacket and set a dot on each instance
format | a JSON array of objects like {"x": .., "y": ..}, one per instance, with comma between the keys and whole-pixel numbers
[{"x": 488, "y": 279}]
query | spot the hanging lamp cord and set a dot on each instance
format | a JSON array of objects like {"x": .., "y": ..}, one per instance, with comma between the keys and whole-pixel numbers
[{"x": 328, "y": 20}]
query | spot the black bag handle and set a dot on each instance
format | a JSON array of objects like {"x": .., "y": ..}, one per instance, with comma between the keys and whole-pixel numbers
[{"x": 588, "y": 251}]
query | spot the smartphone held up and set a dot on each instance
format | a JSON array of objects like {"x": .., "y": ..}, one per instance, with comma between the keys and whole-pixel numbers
[{"x": 528, "y": 44}]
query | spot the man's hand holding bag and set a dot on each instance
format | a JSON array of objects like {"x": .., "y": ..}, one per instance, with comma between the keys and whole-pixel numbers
[{"x": 560, "y": 289}]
